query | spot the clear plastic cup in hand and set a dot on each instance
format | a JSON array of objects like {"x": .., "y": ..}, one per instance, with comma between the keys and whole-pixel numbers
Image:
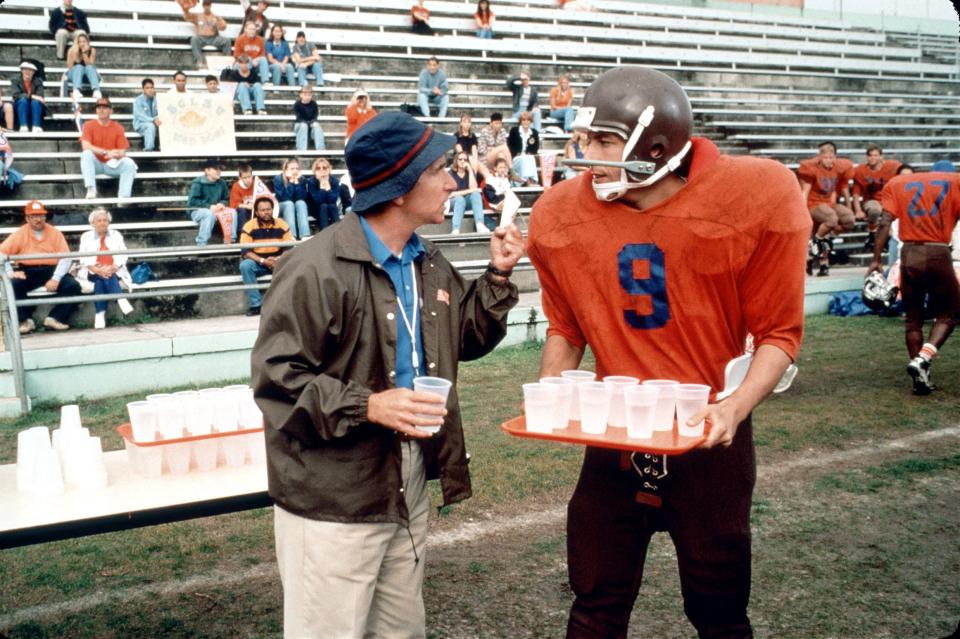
[
  {"x": 539, "y": 401},
  {"x": 666, "y": 402},
  {"x": 143, "y": 421},
  {"x": 577, "y": 376},
  {"x": 618, "y": 415},
  {"x": 594, "y": 407},
  {"x": 691, "y": 399},
  {"x": 70, "y": 416},
  {"x": 562, "y": 407},
  {"x": 435, "y": 386},
  {"x": 640, "y": 404}
]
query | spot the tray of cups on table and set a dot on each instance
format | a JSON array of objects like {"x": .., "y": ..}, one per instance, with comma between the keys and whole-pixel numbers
[
  {"x": 194, "y": 431},
  {"x": 617, "y": 412}
]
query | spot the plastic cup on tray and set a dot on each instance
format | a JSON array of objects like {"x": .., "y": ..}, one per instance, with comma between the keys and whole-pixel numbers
[
  {"x": 577, "y": 376},
  {"x": 539, "y": 401},
  {"x": 640, "y": 404},
  {"x": 691, "y": 399},
  {"x": 143, "y": 421},
  {"x": 666, "y": 402},
  {"x": 435, "y": 386},
  {"x": 561, "y": 409},
  {"x": 594, "y": 407},
  {"x": 618, "y": 415}
]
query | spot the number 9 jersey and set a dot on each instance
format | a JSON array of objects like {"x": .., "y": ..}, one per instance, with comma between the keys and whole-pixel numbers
[
  {"x": 927, "y": 205},
  {"x": 673, "y": 290}
]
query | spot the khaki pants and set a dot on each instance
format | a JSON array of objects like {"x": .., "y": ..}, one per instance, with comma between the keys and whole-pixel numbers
[
  {"x": 356, "y": 580},
  {"x": 63, "y": 37}
]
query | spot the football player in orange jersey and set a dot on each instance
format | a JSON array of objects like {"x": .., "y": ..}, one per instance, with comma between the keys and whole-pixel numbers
[
  {"x": 823, "y": 178},
  {"x": 868, "y": 181},
  {"x": 661, "y": 258}
]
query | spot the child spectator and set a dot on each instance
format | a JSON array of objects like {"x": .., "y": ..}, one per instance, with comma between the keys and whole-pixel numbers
[
  {"x": 241, "y": 194},
  {"x": 145, "y": 117},
  {"x": 278, "y": 56},
  {"x": 496, "y": 186},
  {"x": 207, "y": 203},
  {"x": 28, "y": 100},
  {"x": 326, "y": 196},
  {"x": 256, "y": 262},
  {"x": 104, "y": 144},
  {"x": 10, "y": 178},
  {"x": 467, "y": 140},
  {"x": 81, "y": 65},
  {"x": 251, "y": 45},
  {"x": 7, "y": 109},
  {"x": 290, "y": 190},
  {"x": 213, "y": 84},
  {"x": 358, "y": 112},
  {"x": 306, "y": 112},
  {"x": 248, "y": 83},
  {"x": 484, "y": 19},
  {"x": 420, "y": 17},
  {"x": 468, "y": 190},
  {"x": 306, "y": 56}
]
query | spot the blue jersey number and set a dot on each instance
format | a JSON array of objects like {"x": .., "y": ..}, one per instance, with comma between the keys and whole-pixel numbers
[
  {"x": 654, "y": 285},
  {"x": 914, "y": 209}
]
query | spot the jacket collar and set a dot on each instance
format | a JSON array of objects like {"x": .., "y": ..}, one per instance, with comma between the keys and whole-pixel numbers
[{"x": 351, "y": 242}]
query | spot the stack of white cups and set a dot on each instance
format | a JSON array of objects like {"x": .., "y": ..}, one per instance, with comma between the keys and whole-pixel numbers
[
  {"x": 80, "y": 454},
  {"x": 38, "y": 466}
]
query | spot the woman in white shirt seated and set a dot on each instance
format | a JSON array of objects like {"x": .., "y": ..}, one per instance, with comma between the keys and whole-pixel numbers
[{"x": 104, "y": 271}]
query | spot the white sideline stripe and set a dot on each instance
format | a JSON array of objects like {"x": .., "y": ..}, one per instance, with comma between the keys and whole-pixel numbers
[{"x": 470, "y": 531}]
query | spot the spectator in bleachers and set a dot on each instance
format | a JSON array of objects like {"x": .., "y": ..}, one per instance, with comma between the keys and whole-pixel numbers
[
  {"x": 524, "y": 98},
  {"x": 868, "y": 180},
  {"x": 575, "y": 5},
  {"x": 105, "y": 271},
  {"x": 248, "y": 83},
  {"x": 66, "y": 22},
  {"x": 358, "y": 112},
  {"x": 432, "y": 89},
  {"x": 213, "y": 84},
  {"x": 823, "y": 177},
  {"x": 327, "y": 198},
  {"x": 146, "y": 120},
  {"x": 208, "y": 26},
  {"x": 484, "y": 18},
  {"x": 7, "y": 113},
  {"x": 256, "y": 262},
  {"x": 105, "y": 145},
  {"x": 81, "y": 66},
  {"x": 573, "y": 150},
  {"x": 290, "y": 189},
  {"x": 278, "y": 56},
  {"x": 256, "y": 13},
  {"x": 492, "y": 141},
  {"x": 179, "y": 82},
  {"x": 467, "y": 141},
  {"x": 207, "y": 203},
  {"x": 305, "y": 113},
  {"x": 251, "y": 44},
  {"x": 561, "y": 103},
  {"x": 524, "y": 144},
  {"x": 28, "y": 101},
  {"x": 306, "y": 57},
  {"x": 241, "y": 194},
  {"x": 467, "y": 192},
  {"x": 496, "y": 184},
  {"x": 10, "y": 178},
  {"x": 35, "y": 237},
  {"x": 420, "y": 19}
]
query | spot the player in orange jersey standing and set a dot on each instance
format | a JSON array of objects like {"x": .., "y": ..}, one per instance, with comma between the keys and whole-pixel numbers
[
  {"x": 661, "y": 258},
  {"x": 927, "y": 206},
  {"x": 868, "y": 181},
  {"x": 823, "y": 178}
]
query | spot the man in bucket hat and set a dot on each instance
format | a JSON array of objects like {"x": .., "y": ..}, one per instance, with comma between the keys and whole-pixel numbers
[{"x": 351, "y": 318}]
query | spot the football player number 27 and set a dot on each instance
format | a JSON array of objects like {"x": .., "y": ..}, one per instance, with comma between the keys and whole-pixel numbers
[
  {"x": 653, "y": 284},
  {"x": 915, "y": 210}
]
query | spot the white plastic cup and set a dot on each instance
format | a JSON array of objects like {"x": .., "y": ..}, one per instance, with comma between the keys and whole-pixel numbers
[
  {"x": 47, "y": 478},
  {"x": 30, "y": 443},
  {"x": 256, "y": 448},
  {"x": 691, "y": 399},
  {"x": 594, "y": 407},
  {"x": 204, "y": 454},
  {"x": 561, "y": 409},
  {"x": 169, "y": 415},
  {"x": 207, "y": 399},
  {"x": 149, "y": 461},
  {"x": 539, "y": 401},
  {"x": 193, "y": 420},
  {"x": 226, "y": 411},
  {"x": 618, "y": 415},
  {"x": 578, "y": 376},
  {"x": 666, "y": 403},
  {"x": 70, "y": 416},
  {"x": 234, "y": 450},
  {"x": 176, "y": 458},
  {"x": 143, "y": 421},
  {"x": 640, "y": 405},
  {"x": 435, "y": 386},
  {"x": 89, "y": 470},
  {"x": 250, "y": 415}
]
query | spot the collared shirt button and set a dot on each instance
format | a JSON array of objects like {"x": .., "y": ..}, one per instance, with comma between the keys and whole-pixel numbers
[
  {"x": 390, "y": 316},
  {"x": 432, "y": 365},
  {"x": 433, "y": 313},
  {"x": 401, "y": 489}
]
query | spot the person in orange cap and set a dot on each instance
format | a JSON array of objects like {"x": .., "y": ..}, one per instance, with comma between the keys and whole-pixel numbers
[{"x": 34, "y": 237}]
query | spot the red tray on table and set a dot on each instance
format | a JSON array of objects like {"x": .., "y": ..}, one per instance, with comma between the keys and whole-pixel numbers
[{"x": 662, "y": 443}]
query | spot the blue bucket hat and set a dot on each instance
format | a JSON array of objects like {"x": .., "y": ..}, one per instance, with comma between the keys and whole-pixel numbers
[
  {"x": 943, "y": 166},
  {"x": 386, "y": 156}
]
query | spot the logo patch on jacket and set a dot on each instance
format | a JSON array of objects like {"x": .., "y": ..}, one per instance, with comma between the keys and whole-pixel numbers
[{"x": 443, "y": 296}]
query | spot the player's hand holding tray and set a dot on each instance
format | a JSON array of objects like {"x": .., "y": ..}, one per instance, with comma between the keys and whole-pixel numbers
[{"x": 617, "y": 413}]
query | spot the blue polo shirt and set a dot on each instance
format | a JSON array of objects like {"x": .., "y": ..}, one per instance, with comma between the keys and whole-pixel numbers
[{"x": 400, "y": 273}]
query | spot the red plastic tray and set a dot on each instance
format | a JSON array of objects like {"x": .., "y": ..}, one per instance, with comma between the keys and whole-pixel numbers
[
  {"x": 126, "y": 431},
  {"x": 662, "y": 442}
]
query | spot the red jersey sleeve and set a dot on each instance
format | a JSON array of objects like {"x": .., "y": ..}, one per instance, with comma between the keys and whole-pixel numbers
[
  {"x": 807, "y": 171},
  {"x": 561, "y": 318}
]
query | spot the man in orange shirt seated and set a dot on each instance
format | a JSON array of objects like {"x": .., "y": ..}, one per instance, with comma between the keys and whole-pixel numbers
[
  {"x": 252, "y": 45},
  {"x": 927, "y": 206},
  {"x": 105, "y": 145},
  {"x": 868, "y": 181},
  {"x": 824, "y": 177},
  {"x": 36, "y": 236}
]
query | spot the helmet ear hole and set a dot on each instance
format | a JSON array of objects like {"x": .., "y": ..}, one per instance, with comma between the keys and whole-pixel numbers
[{"x": 656, "y": 151}]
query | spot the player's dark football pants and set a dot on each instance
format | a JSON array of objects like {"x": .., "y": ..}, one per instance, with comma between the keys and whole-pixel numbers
[{"x": 706, "y": 510}]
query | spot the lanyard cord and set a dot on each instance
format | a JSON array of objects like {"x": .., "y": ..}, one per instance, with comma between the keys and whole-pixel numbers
[{"x": 412, "y": 325}]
